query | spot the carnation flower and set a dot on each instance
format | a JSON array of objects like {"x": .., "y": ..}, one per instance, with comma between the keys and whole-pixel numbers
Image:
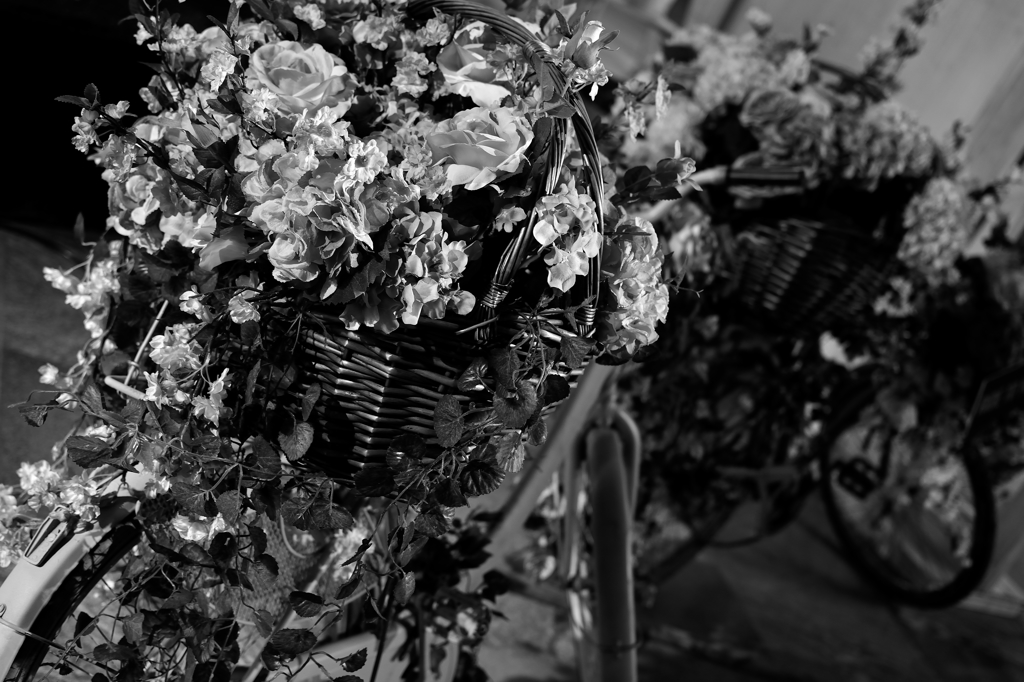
[{"x": 175, "y": 349}]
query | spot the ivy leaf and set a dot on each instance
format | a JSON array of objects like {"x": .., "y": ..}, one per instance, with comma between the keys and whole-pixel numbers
[
  {"x": 296, "y": 511},
  {"x": 374, "y": 482},
  {"x": 504, "y": 362},
  {"x": 448, "y": 424},
  {"x": 354, "y": 662},
  {"x": 510, "y": 452},
  {"x": 481, "y": 477},
  {"x": 258, "y": 538},
  {"x": 197, "y": 555},
  {"x": 309, "y": 400},
  {"x": 329, "y": 516},
  {"x": 473, "y": 378},
  {"x": 193, "y": 498},
  {"x": 84, "y": 624},
  {"x": 449, "y": 494},
  {"x": 556, "y": 388},
  {"x": 133, "y": 628},
  {"x": 264, "y": 622},
  {"x": 34, "y": 415},
  {"x": 133, "y": 411},
  {"x": 250, "y": 381},
  {"x": 575, "y": 350},
  {"x": 514, "y": 409},
  {"x": 112, "y": 652},
  {"x": 224, "y": 547},
  {"x": 267, "y": 458},
  {"x": 292, "y": 642},
  {"x": 306, "y": 604},
  {"x": 349, "y": 588},
  {"x": 296, "y": 443},
  {"x": 89, "y": 451},
  {"x": 411, "y": 550},
  {"x": 431, "y": 524},
  {"x": 404, "y": 588},
  {"x": 178, "y": 599},
  {"x": 229, "y": 504},
  {"x": 263, "y": 572}
]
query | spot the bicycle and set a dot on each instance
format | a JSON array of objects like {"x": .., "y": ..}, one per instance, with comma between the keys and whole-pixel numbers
[{"x": 65, "y": 566}]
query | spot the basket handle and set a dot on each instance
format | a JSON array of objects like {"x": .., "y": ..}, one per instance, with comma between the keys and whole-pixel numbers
[{"x": 515, "y": 252}]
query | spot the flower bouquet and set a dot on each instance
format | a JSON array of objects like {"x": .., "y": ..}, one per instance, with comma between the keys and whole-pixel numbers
[
  {"x": 356, "y": 252},
  {"x": 812, "y": 255}
]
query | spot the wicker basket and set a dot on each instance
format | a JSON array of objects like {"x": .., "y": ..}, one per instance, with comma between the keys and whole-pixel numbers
[
  {"x": 806, "y": 275},
  {"x": 378, "y": 386}
]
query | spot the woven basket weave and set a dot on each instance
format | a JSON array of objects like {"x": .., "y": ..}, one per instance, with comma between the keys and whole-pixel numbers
[
  {"x": 378, "y": 386},
  {"x": 804, "y": 275}
]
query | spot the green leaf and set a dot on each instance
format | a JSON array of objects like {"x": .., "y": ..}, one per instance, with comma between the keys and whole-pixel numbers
[
  {"x": 178, "y": 599},
  {"x": 356, "y": 661},
  {"x": 450, "y": 494},
  {"x": 472, "y": 379},
  {"x": 310, "y": 399},
  {"x": 197, "y": 555},
  {"x": 329, "y": 516},
  {"x": 374, "y": 482},
  {"x": 264, "y": 622},
  {"x": 349, "y": 588},
  {"x": 404, "y": 588},
  {"x": 91, "y": 399},
  {"x": 411, "y": 550},
  {"x": 575, "y": 350},
  {"x": 133, "y": 411},
  {"x": 34, "y": 415},
  {"x": 84, "y": 624},
  {"x": 250, "y": 381},
  {"x": 448, "y": 424},
  {"x": 72, "y": 99},
  {"x": 510, "y": 452},
  {"x": 89, "y": 451},
  {"x": 296, "y": 511},
  {"x": 229, "y": 504},
  {"x": 267, "y": 458},
  {"x": 133, "y": 628},
  {"x": 296, "y": 443},
  {"x": 504, "y": 362},
  {"x": 306, "y": 604},
  {"x": 431, "y": 524},
  {"x": 258, "y": 538},
  {"x": 538, "y": 433},
  {"x": 556, "y": 389},
  {"x": 92, "y": 93},
  {"x": 224, "y": 548},
  {"x": 292, "y": 642},
  {"x": 480, "y": 477},
  {"x": 112, "y": 652},
  {"x": 514, "y": 409},
  {"x": 250, "y": 335},
  {"x": 192, "y": 498}
]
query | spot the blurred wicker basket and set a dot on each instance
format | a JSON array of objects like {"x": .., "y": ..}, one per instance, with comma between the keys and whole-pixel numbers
[
  {"x": 808, "y": 275},
  {"x": 379, "y": 386}
]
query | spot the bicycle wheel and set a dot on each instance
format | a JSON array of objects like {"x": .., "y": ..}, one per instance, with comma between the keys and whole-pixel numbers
[
  {"x": 56, "y": 619},
  {"x": 599, "y": 562},
  {"x": 917, "y": 522}
]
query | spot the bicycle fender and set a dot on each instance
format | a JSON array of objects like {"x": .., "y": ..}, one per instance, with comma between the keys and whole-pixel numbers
[{"x": 29, "y": 588}]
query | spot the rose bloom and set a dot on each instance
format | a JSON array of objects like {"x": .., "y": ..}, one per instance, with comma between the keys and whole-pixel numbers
[
  {"x": 478, "y": 144},
  {"x": 293, "y": 255},
  {"x": 302, "y": 78},
  {"x": 467, "y": 73}
]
